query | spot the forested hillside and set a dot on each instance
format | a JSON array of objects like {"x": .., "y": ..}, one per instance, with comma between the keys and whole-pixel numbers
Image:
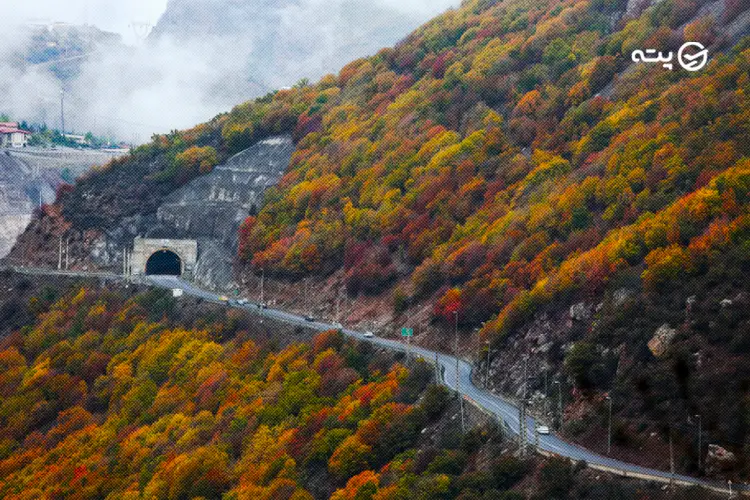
[
  {"x": 510, "y": 166},
  {"x": 109, "y": 396},
  {"x": 508, "y": 155},
  {"x": 103, "y": 395},
  {"x": 505, "y": 153}
]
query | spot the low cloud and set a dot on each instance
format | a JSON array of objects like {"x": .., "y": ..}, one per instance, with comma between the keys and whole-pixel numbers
[{"x": 176, "y": 79}]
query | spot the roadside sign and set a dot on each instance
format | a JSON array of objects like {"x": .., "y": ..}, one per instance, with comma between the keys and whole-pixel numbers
[{"x": 407, "y": 332}]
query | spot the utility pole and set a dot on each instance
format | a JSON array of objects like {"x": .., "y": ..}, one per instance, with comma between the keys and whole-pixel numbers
[
  {"x": 487, "y": 368},
  {"x": 62, "y": 112},
  {"x": 546, "y": 392},
  {"x": 67, "y": 253},
  {"x": 559, "y": 402},
  {"x": 522, "y": 428},
  {"x": 408, "y": 344},
  {"x": 338, "y": 308},
  {"x": 609, "y": 425},
  {"x": 526, "y": 378},
  {"x": 458, "y": 373},
  {"x": 59, "y": 254},
  {"x": 262, "y": 283},
  {"x": 700, "y": 438},
  {"x": 126, "y": 262},
  {"x": 671, "y": 459}
]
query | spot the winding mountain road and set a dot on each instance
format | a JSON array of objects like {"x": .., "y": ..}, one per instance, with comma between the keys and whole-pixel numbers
[
  {"x": 498, "y": 406},
  {"x": 503, "y": 409}
]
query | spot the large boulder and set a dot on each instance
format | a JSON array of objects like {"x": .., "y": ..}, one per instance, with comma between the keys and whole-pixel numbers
[
  {"x": 661, "y": 340},
  {"x": 621, "y": 296},
  {"x": 579, "y": 312},
  {"x": 719, "y": 460}
]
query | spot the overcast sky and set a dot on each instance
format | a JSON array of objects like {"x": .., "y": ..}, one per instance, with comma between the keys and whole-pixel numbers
[
  {"x": 172, "y": 84},
  {"x": 119, "y": 15},
  {"x": 109, "y": 15}
]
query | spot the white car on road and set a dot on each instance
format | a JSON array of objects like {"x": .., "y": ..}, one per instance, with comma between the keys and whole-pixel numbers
[{"x": 368, "y": 335}]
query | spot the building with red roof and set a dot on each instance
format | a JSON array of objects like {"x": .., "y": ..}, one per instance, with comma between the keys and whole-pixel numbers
[{"x": 13, "y": 137}]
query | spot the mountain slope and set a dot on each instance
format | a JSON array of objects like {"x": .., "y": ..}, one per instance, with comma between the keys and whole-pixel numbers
[{"x": 508, "y": 166}]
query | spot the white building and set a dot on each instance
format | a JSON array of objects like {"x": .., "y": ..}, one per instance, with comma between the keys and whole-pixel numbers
[
  {"x": 78, "y": 139},
  {"x": 13, "y": 137}
]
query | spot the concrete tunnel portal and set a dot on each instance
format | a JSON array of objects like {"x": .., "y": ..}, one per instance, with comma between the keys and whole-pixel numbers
[
  {"x": 164, "y": 263},
  {"x": 163, "y": 257}
]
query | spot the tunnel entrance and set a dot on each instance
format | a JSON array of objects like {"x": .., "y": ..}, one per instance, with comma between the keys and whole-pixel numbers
[{"x": 164, "y": 263}]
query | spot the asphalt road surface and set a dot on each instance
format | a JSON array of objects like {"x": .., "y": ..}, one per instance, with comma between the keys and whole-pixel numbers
[{"x": 506, "y": 411}]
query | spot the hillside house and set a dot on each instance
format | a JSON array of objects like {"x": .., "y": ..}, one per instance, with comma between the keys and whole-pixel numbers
[{"x": 13, "y": 137}]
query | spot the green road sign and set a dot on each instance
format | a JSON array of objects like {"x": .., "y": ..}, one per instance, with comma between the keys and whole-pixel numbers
[{"x": 407, "y": 332}]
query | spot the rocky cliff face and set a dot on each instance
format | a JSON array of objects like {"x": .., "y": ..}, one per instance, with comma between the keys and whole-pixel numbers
[
  {"x": 18, "y": 186},
  {"x": 209, "y": 209},
  {"x": 29, "y": 178},
  {"x": 213, "y": 206}
]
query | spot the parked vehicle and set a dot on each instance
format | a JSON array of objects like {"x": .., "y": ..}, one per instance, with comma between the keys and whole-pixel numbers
[{"x": 543, "y": 430}]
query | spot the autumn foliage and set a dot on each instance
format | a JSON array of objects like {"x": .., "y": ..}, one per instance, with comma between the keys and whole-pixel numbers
[
  {"x": 505, "y": 153},
  {"x": 97, "y": 401},
  {"x": 499, "y": 159}
]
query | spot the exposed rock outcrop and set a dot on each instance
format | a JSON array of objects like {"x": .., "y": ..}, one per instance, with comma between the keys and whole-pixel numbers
[
  {"x": 212, "y": 207},
  {"x": 719, "y": 460},
  {"x": 29, "y": 177},
  {"x": 209, "y": 209},
  {"x": 621, "y": 296},
  {"x": 580, "y": 312},
  {"x": 661, "y": 340},
  {"x": 215, "y": 205}
]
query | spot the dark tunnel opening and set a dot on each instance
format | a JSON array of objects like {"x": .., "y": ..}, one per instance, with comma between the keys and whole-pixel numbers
[{"x": 165, "y": 263}]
